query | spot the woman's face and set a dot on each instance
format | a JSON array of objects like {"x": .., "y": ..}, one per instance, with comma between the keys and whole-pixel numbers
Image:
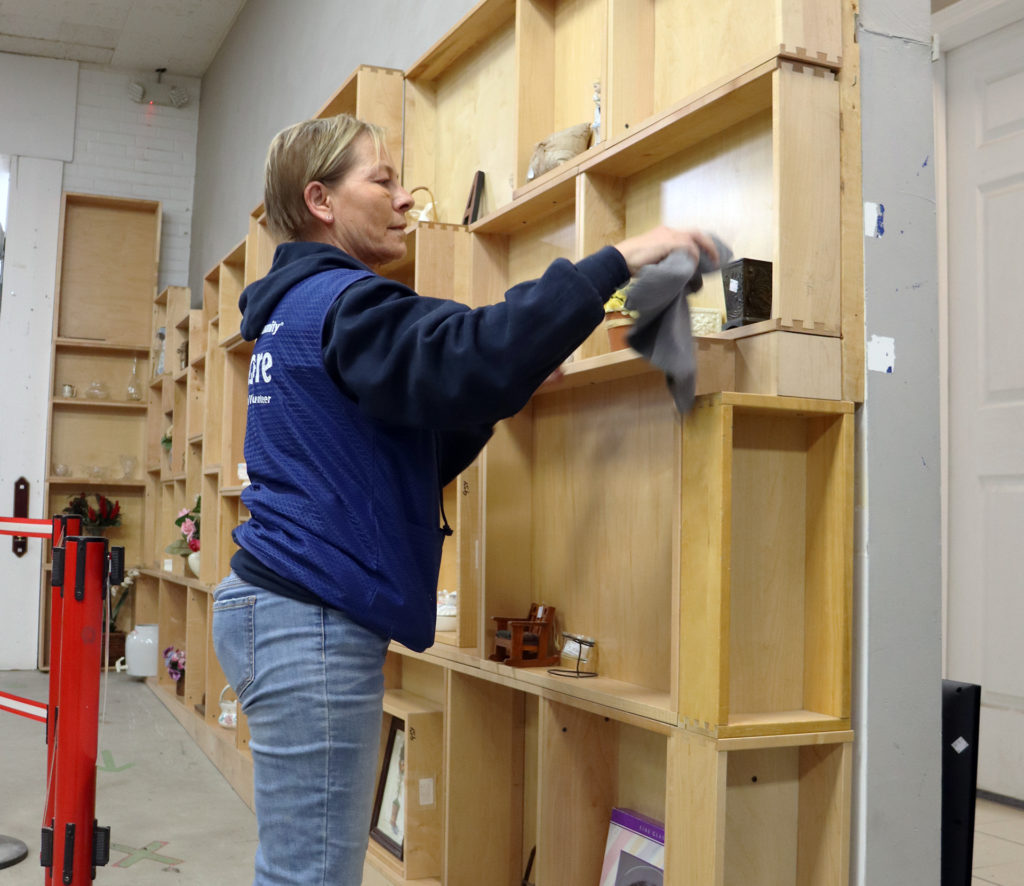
[{"x": 368, "y": 207}]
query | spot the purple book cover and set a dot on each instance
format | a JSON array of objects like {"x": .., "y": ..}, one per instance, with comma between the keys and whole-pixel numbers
[{"x": 639, "y": 824}]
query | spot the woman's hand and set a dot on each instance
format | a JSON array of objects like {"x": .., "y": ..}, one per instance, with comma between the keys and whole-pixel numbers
[{"x": 652, "y": 246}]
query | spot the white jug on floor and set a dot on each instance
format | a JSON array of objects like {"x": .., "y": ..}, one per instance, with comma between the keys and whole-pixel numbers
[{"x": 140, "y": 651}]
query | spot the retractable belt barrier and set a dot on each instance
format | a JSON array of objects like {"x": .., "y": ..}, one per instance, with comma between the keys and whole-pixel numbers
[{"x": 73, "y": 844}]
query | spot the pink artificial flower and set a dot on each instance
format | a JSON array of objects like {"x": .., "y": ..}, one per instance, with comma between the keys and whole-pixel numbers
[
  {"x": 188, "y": 529},
  {"x": 182, "y": 513},
  {"x": 193, "y": 544}
]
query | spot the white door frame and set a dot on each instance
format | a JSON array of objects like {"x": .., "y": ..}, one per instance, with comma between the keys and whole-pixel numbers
[{"x": 953, "y": 26}]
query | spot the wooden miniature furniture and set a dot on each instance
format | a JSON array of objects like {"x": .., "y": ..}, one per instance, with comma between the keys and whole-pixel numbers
[{"x": 525, "y": 642}]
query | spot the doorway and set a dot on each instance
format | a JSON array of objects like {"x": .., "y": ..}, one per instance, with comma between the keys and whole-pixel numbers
[{"x": 983, "y": 88}]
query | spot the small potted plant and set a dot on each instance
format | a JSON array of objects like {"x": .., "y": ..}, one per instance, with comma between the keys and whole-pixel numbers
[
  {"x": 187, "y": 545},
  {"x": 95, "y": 519},
  {"x": 174, "y": 661},
  {"x": 618, "y": 319}
]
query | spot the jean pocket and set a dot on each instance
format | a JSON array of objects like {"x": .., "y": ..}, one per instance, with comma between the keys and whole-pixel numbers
[{"x": 234, "y": 640}]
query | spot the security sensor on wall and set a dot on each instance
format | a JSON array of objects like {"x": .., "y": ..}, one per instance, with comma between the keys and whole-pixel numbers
[{"x": 159, "y": 93}]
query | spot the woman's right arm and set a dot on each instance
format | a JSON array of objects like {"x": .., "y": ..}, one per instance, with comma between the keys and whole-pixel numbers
[{"x": 427, "y": 362}]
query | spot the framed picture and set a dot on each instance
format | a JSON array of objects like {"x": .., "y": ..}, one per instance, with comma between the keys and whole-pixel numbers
[
  {"x": 634, "y": 854},
  {"x": 387, "y": 826},
  {"x": 473, "y": 203}
]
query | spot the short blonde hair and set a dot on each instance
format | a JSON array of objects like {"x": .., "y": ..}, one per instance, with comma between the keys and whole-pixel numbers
[{"x": 314, "y": 150}]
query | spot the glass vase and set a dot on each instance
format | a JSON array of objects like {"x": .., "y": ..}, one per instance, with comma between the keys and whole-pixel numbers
[{"x": 134, "y": 391}]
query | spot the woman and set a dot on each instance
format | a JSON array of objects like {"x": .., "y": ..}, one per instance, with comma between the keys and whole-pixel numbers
[{"x": 365, "y": 399}]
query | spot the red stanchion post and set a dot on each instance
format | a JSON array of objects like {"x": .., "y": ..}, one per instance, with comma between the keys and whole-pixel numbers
[
  {"x": 63, "y": 527},
  {"x": 77, "y": 712}
]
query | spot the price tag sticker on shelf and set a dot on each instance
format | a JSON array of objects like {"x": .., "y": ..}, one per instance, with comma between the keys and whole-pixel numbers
[{"x": 426, "y": 792}]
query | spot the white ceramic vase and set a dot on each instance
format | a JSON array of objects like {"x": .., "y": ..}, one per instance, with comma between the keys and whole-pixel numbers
[
  {"x": 193, "y": 563},
  {"x": 141, "y": 652}
]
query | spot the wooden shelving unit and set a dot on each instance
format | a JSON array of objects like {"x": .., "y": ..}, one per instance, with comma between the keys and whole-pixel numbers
[
  {"x": 96, "y": 439},
  {"x": 711, "y": 557}
]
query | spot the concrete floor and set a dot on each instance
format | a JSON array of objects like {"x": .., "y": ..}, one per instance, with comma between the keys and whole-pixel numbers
[{"x": 169, "y": 810}]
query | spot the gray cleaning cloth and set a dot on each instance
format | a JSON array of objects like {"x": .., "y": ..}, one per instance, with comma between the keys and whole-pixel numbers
[{"x": 662, "y": 333}]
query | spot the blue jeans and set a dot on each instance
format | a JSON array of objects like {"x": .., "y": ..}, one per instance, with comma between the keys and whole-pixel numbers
[{"x": 311, "y": 684}]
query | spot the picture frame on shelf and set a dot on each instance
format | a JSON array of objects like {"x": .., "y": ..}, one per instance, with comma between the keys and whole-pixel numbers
[
  {"x": 473, "y": 202},
  {"x": 633, "y": 871},
  {"x": 635, "y": 850},
  {"x": 388, "y": 821}
]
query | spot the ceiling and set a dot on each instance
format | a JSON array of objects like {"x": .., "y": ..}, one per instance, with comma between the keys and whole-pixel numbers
[{"x": 182, "y": 36}]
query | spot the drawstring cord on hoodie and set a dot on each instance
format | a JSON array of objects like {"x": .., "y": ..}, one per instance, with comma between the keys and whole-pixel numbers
[{"x": 445, "y": 529}]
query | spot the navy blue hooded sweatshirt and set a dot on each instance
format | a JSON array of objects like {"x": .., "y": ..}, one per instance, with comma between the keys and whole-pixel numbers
[{"x": 414, "y": 385}]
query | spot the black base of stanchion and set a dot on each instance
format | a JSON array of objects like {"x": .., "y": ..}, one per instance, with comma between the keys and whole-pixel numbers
[{"x": 11, "y": 851}]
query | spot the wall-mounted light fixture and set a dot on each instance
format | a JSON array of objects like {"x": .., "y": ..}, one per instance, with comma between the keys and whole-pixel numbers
[{"x": 159, "y": 93}]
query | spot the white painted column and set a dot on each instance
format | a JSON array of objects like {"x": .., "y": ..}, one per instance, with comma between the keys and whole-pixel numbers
[
  {"x": 26, "y": 323},
  {"x": 897, "y": 688}
]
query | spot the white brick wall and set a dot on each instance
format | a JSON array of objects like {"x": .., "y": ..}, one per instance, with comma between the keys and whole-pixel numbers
[{"x": 124, "y": 149}]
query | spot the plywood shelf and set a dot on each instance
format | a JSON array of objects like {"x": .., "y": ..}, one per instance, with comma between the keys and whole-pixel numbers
[
  {"x": 782, "y": 809},
  {"x": 770, "y": 113},
  {"x": 710, "y": 555},
  {"x": 764, "y": 645},
  {"x": 444, "y": 146},
  {"x": 602, "y": 692},
  {"x": 235, "y": 342},
  {"x": 781, "y": 722},
  {"x": 598, "y": 370},
  {"x": 83, "y": 344},
  {"x": 90, "y": 484},
  {"x": 77, "y": 403},
  {"x": 477, "y": 27},
  {"x": 692, "y": 120},
  {"x": 554, "y": 194},
  {"x": 177, "y": 579},
  {"x": 105, "y": 287},
  {"x": 230, "y": 280}
]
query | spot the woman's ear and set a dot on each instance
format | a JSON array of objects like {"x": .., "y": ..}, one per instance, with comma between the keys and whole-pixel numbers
[{"x": 318, "y": 202}]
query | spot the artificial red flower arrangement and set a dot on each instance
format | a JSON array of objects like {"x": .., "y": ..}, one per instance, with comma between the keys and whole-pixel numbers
[{"x": 102, "y": 516}]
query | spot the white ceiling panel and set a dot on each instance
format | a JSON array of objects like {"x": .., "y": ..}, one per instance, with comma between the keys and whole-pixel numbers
[{"x": 180, "y": 35}]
